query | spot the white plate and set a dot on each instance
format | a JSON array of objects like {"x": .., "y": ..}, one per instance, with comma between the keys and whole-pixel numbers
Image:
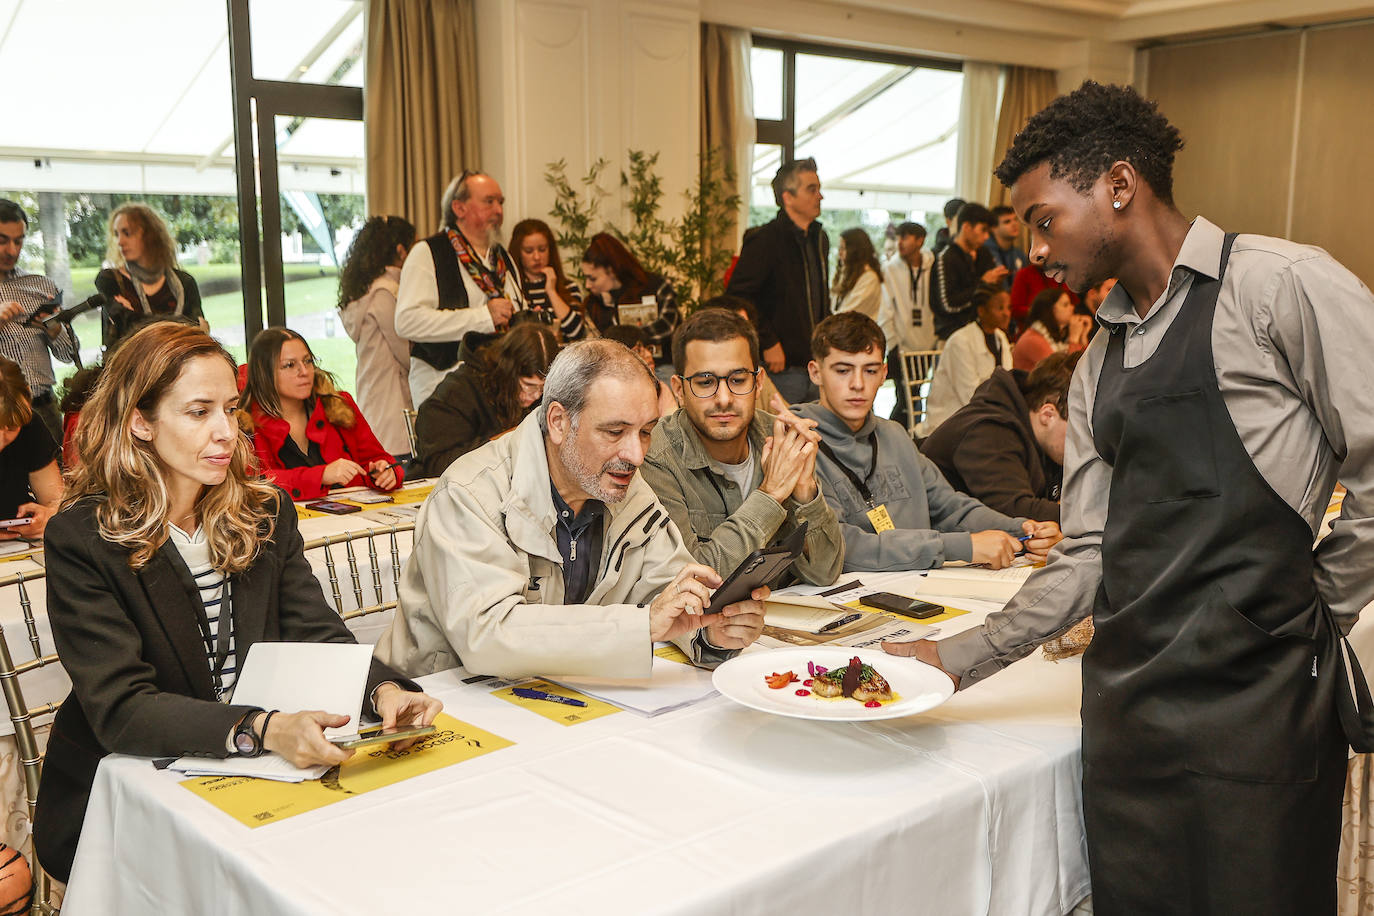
[{"x": 918, "y": 685}]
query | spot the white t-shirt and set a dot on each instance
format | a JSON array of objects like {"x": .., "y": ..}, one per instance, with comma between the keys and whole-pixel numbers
[{"x": 742, "y": 474}]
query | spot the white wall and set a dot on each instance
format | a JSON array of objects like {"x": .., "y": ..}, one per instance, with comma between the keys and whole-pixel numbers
[{"x": 580, "y": 80}]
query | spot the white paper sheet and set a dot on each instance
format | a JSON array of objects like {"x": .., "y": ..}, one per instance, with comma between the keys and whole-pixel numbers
[
  {"x": 306, "y": 675},
  {"x": 292, "y": 676},
  {"x": 974, "y": 582},
  {"x": 672, "y": 685}
]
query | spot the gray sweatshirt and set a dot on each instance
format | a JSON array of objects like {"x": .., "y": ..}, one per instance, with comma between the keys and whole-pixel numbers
[{"x": 932, "y": 519}]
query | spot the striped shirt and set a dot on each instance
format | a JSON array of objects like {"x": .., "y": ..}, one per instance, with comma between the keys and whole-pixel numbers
[
  {"x": 195, "y": 551},
  {"x": 29, "y": 347}
]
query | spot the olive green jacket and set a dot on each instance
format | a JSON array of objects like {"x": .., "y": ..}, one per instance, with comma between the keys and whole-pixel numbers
[{"x": 720, "y": 526}]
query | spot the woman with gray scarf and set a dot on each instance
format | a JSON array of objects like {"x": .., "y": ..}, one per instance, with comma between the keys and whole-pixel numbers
[{"x": 144, "y": 280}]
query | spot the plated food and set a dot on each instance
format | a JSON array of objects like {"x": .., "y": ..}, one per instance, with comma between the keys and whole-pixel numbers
[
  {"x": 796, "y": 681},
  {"x": 855, "y": 681}
]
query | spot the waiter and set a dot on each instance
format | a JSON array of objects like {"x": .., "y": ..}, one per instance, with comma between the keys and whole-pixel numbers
[{"x": 1206, "y": 432}]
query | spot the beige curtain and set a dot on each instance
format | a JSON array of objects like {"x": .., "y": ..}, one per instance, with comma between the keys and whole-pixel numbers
[
  {"x": 1027, "y": 90},
  {"x": 977, "y": 131},
  {"x": 727, "y": 118},
  {"x": 420, "y": 102}
]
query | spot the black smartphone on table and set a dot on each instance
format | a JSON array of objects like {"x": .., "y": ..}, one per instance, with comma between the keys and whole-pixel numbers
[
  {"x": 900, "y": 604},
  {"x": 332, "y": 507}
]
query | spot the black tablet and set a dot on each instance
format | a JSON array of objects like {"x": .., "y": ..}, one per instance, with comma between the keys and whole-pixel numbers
[{"x": 760, "y": 568}]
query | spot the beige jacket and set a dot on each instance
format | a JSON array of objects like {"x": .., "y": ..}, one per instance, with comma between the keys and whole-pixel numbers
[{"x": 484, "y": 584}]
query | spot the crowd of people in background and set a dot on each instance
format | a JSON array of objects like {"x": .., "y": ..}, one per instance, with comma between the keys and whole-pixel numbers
[{"x": 455, "y": 334}]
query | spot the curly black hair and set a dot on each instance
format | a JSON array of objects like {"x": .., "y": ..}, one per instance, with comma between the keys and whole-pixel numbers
[
  {"x": 372, "y": 251},
  {"x": 1081, "y": 134}
]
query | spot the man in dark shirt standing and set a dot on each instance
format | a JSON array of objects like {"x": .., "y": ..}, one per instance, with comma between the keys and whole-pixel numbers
[
  {"x": 783, "y": 270},
  {"x": 958, "y": 270}
]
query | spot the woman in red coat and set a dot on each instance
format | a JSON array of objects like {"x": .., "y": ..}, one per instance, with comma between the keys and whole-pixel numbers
[{"x": 308, "y": 435}]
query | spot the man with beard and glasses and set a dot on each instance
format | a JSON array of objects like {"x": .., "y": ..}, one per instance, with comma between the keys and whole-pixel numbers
[
  {"x": 543, "y": 553},
  {"x": 732, "y": 478},
  {"x": 458, "y": 281},
  {"x": 1208, "y": 423}
]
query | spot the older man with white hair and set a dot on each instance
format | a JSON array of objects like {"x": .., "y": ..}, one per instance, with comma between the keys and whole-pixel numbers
[
  {"x": 456, "y": 281},
  {"x": 543, "y": 552}
]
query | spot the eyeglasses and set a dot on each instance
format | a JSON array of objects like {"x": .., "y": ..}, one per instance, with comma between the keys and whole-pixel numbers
[{"x": 705, "y": 384}]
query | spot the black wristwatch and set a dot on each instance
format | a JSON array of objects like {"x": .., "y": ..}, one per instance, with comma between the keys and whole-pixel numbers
[{"x": 247, "y": 743}]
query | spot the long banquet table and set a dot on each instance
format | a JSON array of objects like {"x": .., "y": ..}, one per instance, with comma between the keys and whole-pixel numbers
[{"x": 970, "y": 808}]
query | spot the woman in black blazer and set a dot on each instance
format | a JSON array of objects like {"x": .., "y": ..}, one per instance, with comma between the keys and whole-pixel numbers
[{"x": 163, "y": 527}]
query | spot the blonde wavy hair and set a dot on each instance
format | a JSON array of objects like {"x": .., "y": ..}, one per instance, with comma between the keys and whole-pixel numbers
[
  {"x": 260, "y": 391},
  {"x": 159, "y": 251},
  {"x": 127, "y": 479}
]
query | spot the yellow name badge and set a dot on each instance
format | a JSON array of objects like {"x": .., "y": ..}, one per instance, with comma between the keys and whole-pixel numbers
[
  {"x": 879, "y": 519},
  {"x": 254, "y": 802}
]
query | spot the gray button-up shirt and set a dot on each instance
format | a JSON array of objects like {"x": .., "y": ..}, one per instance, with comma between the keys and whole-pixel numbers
[{"x": 1292, "y": 340}]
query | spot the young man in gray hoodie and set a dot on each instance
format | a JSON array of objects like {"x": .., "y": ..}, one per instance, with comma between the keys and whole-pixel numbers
[{"x": 896, "y": 509}]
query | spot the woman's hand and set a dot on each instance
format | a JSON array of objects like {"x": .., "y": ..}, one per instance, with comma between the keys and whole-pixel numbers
[
  {"x": 560, "y": 308},
  {"x": 126, "y": 303},
  {"x": 404, "y": 707},
  {"x": 1079, "y": 326},
  {"x": 340, "y": 471},
  {"x": 299, "y": 737},
  {"x": 383, "y": 474}
]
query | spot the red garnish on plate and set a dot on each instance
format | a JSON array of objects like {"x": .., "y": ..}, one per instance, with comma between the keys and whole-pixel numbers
[
  {"x": 807, "y": 682},
  {"x": 873, "y": 704},
  {"x": 778, "y": 681},
  {"x": 804, "y": 693}
]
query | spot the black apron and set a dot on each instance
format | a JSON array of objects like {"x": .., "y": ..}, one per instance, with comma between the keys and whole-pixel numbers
[{"x": 1213, "y": 756}]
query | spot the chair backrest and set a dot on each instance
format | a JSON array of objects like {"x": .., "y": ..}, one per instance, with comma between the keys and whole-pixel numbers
[
  {"x": 22, "y": 715},
  {"x": 917, "y": 368},
  {"x": 409, "y": 416},
  {"x": 392, "y": 551}
]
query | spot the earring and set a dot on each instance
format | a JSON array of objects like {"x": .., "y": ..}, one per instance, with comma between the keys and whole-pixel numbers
[{"x": 1116, "y": 205}]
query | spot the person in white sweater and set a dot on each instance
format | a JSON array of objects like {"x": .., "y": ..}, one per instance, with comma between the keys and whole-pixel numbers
[
  {"x": 970, "y": 356},
  {"x": 859, "y": 280}
]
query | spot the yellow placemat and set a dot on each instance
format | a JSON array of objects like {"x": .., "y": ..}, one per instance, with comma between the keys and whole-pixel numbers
[
  {"x": 254, "y": 802},
  {"x": 557, "y": 712},
  {"x": 672, "y": 654},
  {"x": 404, "y": 496}
]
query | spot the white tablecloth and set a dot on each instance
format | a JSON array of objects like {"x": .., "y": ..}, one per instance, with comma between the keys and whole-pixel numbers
[{"x": 970, "y": 808}]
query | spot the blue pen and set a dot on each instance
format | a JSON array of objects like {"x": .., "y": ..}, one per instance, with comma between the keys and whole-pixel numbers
[
  {"x": 529, "y": 693},
  {"x": 1025, "y": 537}
]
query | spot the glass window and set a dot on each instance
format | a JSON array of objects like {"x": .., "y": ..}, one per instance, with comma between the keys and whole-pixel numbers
[
  {"x": 884, "y": 133},
  {"x": 321, "y": 176},
  {"x": 308, "y": 41},
  {"x": 765, "y": 69}
]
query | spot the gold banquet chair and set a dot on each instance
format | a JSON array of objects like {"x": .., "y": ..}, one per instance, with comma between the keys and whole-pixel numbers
[
  {"x": 917, "y": 368},
  {"x": 409, "y": 416},
  {"x": 391, "y": 549},
  {"x": 22, "y": 715}
]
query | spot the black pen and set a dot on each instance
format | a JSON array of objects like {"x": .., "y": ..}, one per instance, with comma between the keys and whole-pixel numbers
[{"x": 836, "y": 624}]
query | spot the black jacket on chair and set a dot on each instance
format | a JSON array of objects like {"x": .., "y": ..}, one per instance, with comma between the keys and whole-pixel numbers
[{"x": 141, "y": 683}]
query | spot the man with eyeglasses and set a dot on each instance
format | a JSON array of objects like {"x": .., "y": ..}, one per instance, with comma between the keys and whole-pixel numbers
[
  {"x": 735, "y": 479},
  {"x": 896, "y": 509}
]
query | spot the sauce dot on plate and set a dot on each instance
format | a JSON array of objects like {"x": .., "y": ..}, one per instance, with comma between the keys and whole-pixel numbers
[
  {"x": 806, "y": 683},
  {"x": 804, "y": 693},
  {"x": 873, "y": 704}
]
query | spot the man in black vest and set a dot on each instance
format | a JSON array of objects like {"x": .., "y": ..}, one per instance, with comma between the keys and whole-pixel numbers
[
  {"x": 1208, "y": 424},
  {"x": 457, "y": 281}
]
